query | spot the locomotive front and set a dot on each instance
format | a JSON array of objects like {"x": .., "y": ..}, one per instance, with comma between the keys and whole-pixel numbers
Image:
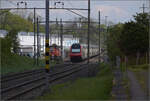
[{"x": 75, "y": 53}]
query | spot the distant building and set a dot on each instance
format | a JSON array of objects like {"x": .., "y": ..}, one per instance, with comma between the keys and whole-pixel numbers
[{"x": 26, "y": 41}]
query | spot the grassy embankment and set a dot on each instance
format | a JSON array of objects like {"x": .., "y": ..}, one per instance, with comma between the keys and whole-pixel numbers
[
  {"x": 93, "y": 88},
  {"x": 142, "y": 74},
  {"x": 14, "y": 63}
]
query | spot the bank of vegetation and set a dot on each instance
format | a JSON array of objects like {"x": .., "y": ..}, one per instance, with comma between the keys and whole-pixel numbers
[
  {"x": 130, "y": 39},
  {"x": 10, "y": 61},
  {"x": 130, "y": 42},
  {"x": 93, "y": 88}
]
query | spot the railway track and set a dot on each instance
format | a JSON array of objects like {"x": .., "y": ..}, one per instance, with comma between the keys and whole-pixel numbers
[
  {"x": 17, "y": 85},
  {"x": 18, "y": 89},
  {"x": 10, "y": 80}
]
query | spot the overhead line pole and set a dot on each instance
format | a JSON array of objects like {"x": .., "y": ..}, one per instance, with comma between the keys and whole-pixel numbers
[
  {"x": 88, "y": 30},
  {"x": 61, "y": 35},
  {"x": 47, "y": 67},
  {"x": 143, "y": 8},
  {"x": 37, "y": 59},
  {"x": 57, "y": 30},
  {"x": 34, "y": 39},
  {"x": 106, "y": 33},
  {"x": 99, "y": 33}
]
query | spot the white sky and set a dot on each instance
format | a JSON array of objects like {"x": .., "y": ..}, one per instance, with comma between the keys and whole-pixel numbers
[{"x": 116, "y": 10}]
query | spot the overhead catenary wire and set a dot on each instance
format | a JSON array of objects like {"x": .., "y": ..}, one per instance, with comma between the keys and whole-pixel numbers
[
  {"x": 69, "y": 1},
  {"x": 79, "y": 0}
]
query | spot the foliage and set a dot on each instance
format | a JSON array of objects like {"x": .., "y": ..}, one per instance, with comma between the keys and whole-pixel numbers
[
  {"x": 10, "y": 21},
  {"x": 134, "y": 36},
  {"x": 128, "y": 38},
  {"x": 13, "y": 24},
  {"x": 113, "y": 38},
  {"x": 5, "y": 46},
  {"x": 12, "y": 36}
]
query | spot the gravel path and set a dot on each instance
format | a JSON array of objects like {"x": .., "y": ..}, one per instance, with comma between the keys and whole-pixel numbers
[{"x": 136, "y": 91}]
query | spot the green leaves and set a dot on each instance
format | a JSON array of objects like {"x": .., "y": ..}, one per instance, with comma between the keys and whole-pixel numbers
[
  {"x": 134, "y": 36},
  {"x": 13, "y": 24},
  {"x": 113, "y": 41},
  {"x": 128, "y": 38}
]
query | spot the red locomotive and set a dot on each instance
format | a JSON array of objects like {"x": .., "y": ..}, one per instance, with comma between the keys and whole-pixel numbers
[
  {"x": 78, "y": 52},
  {"x": 75, "y": 52}
]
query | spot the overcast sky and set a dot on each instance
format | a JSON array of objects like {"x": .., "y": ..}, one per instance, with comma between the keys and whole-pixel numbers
[{"x": 116, "y": 10}]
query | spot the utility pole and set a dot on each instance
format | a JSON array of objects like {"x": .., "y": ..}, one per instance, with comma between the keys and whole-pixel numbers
[
  {"x": 88, "y": 31},
  {"x": 57, "y": 31},
  {"x": 61, "y": 35},
  {"x": 34, "y": 40},
  {"x": 143, "y": 8},
  {"x": 106, "y": 33},
  {"x": 106, "y": 21},
  {"x": 99, "y": 35},
  {"x": 37, "y": 42},
  {"x": 47, "y": 67},
  {"x": 0, "y": 3}
]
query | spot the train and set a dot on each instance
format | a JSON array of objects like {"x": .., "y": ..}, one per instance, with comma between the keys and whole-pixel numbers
[
  {"x": 55, "y": 53},
  {"x": 78, "y": 52}
]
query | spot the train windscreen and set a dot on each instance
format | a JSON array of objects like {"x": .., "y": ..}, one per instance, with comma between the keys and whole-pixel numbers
[{"x": 76, "y": 48}]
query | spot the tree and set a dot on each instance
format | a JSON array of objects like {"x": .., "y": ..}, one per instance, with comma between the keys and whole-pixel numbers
[
  {"x": 12, "y": 37},
  {"x": 13, "y": 24},
  {"x": 134, "y": 37},
  {"x": 113, "y": 38}
]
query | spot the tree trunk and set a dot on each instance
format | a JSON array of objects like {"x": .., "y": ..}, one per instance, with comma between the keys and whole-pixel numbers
[
  {"x": 125, "y": 59},
  {"x": 146, "y": 58},
  {"x": 137, "y": 58}
]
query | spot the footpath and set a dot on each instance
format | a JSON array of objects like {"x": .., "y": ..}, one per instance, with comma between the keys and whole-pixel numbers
[
  {"x": 136, "y": 91},
  {"x": 133, "y": 93}
]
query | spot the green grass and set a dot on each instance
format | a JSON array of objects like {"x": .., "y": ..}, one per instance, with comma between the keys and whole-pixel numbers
[
  {"x": 138, "y": 67},
  {"x": 14, "y": 63},
  {"x": 93, "y": 88}
]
